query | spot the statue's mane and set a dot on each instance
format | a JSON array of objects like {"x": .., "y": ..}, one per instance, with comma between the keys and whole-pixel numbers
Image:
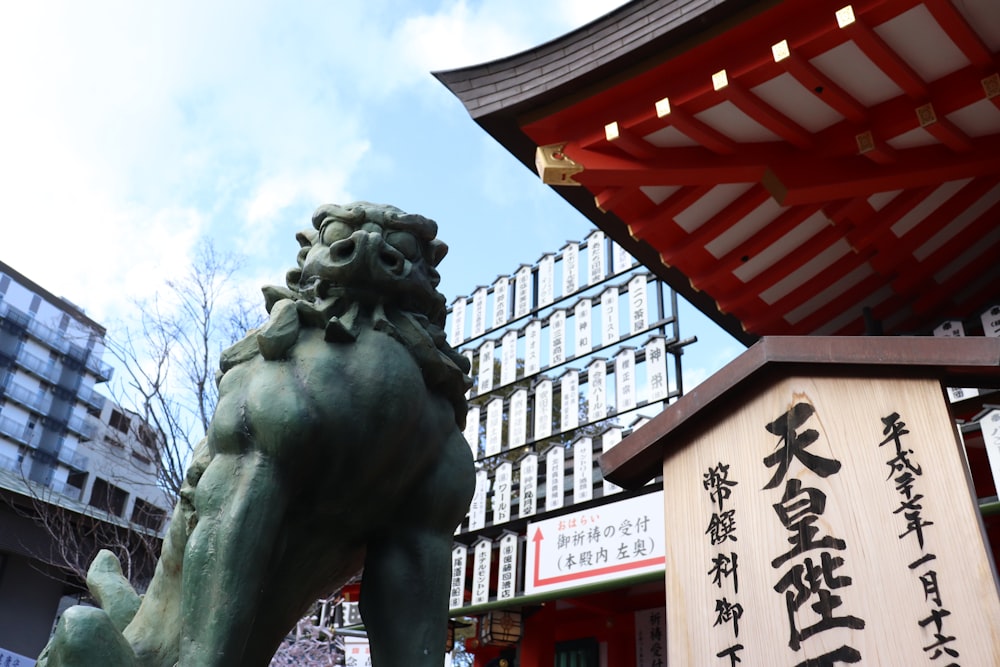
[{"x": 417, "y": 323}]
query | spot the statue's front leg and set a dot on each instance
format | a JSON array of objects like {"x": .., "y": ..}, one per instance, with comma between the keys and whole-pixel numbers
[{"x": 240, "y": 503}]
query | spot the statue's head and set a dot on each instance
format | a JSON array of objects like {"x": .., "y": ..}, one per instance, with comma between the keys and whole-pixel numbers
[{"x": 373, "y": 249}]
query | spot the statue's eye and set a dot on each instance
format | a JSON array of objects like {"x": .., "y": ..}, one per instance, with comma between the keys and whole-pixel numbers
[
  {"x": 405, "y": 243},
  {"x": 335, "y": 231}
]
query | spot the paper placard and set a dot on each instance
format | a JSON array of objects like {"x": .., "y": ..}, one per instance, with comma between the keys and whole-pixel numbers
[
  {"x": 570, "y": 268},
  {"x": 638, "y": 310},
  {"x": 481, "y": 564},
  {"x": 546, "y": 280},
  {"x": 501, "y": 492},
  {"x": 569, "y": 407},
  {"x": 597, "y": 398},
  {"x": 507, "y": 570},
  {"x": 557, "y": 337},
  {"x": 581, "y": 322},
  {"x": 528, "y": 495},
  {"x": 609, "y": 439},
  {"x": 457, "y": 322},
  {"x": 486, "y": 369},
  {"x": 522, "y": 292},
  {"x": 494, "y": 426},
  {"x": 477, "y": 508},
  {"x": 656, "y": 370},
  {"x": 518, "y": 425},
  {"x": 456, "y": 598},
  {"x": 471, "y": 432},
  {"x": 543, "y": 409},
  {"x": 500, "y": 304},
  {"x": 532, "y": 347},
  {"x": 555, "y": 475},
  {"x": 595, "y": 258},
  {"x": 625, "y": 399},
  {"x": 479, "y": 312},
  {"x": 508, "y": 358},
  {"x": 583, "y": 470},
  {"x": 609, "y": 316}
]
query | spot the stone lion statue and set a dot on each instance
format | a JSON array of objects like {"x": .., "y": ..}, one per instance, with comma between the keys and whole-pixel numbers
[{"x": 336, "y": 445}]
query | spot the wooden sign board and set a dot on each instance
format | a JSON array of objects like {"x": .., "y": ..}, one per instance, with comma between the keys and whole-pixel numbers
[{"x": 827, "y": 521}]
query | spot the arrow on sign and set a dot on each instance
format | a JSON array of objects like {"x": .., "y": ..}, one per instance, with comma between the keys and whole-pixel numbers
[{"x": 584, "y": 574}]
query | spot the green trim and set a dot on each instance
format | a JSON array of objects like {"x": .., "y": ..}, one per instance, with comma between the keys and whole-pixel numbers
[
  {"x": 989, "y": 506},
  {"x": 539, "y": 598}
]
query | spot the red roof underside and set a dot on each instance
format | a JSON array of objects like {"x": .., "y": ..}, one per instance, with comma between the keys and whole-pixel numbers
[{"x": 862, "y": 171}]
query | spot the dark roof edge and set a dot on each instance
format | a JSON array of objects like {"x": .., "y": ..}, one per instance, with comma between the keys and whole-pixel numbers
[
  {"x": 622, "y": 38},
  {"x": 57, "y": 301}
]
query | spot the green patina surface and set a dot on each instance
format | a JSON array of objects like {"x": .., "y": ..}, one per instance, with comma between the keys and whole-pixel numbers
[{"x": 336, "y": 444}]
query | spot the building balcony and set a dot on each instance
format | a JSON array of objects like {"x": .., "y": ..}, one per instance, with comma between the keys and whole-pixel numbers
[
  {"x": 73, "y": 460},
  {"x": 56, "y": 340},
  {"x": 92, "y": 398},
  {"x": 40, "y": 402},
  {"x": 43, "y": 368},
  {"x": 83, "y": 426},
  {"x": 19, "y": 432}
]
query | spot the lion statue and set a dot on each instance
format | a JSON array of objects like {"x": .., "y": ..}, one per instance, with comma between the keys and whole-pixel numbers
[{"x": 336, "y": 445}]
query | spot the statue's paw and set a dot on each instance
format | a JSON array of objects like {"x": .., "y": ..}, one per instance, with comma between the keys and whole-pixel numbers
[
  {"x": 86, "y": 637},
  {"x": 112, "y": 590}
]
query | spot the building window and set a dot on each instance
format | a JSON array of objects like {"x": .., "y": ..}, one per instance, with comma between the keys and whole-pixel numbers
[
  {"x": 148, "y": 515},
  {"x": 120, "y": 421},
  {"x": 108, "y": 497}
]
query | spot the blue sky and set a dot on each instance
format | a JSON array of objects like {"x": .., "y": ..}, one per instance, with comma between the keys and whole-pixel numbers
[{"x": 130, "y": 130}]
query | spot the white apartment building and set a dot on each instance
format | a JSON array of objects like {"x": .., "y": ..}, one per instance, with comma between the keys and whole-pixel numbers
[{"x": 62, "y": 443}]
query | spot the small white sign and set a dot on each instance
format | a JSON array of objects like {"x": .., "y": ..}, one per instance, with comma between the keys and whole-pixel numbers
[
  {"x": 583, "y": 470},
  {"x": 543, "y": 409},
  {"x": 522, "y": 292},
  {"x": 613, "y": 541},
  {"x": 357, "y": 652},
  {"x": 532, "y": 347},
  {"x": 597, "y": 398},
  {"x": 581, "y": 322},
  {"x": 500, "y": 305},
  {"x": 479, "y": 312},
  {"x": 609, "y": 316},
  {"x": 485, "y": 367},
  {"x": 494, "y": 426},
  {"x": 569, "y": 406},
  {"x": 609, "y": 439},
  {"x": 557, "y": 337},
  {"x": 555, "y": 475},
  {"x": 595, "y": 257},
  {"x": 990, "y": 425},
  {"x": 507, "y": 571},
  {"x": 457, "y": 322},
  {"x": 477, "y": 508},
  {"x": 546, "y": 280},
  {"x": 570, "y": 268},
  {"x": 501, "y": 493},
  {"x": 518, "y": 426},
  {"x": 625, "y": 380},
  {"x": 638, "y": 304},
  {"x": 481, "y": 564},
  {"x": 459, "y": 554},
  {"x": 621, "y": 260},
  {"x": 508, "y": 357},
  {"x": 991, "y": 322},
  {"x": 472, "y": 430},
  {"x": 528, "y": 472},
  {"x": 955, "y": 328},
  {"x": 656, "y": 370}
]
